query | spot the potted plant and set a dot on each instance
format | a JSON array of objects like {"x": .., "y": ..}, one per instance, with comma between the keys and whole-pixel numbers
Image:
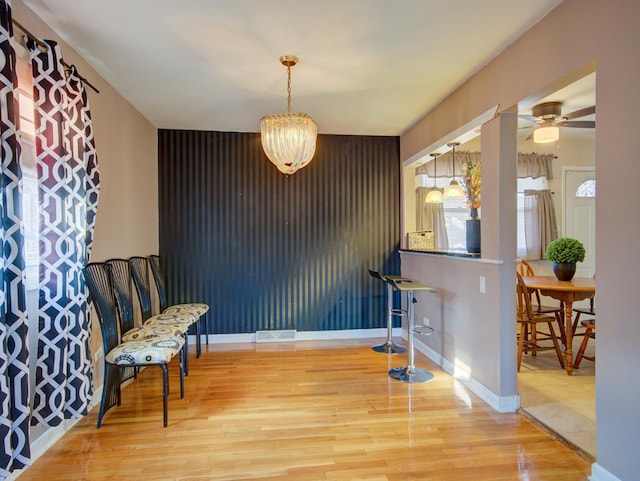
[{"x": 564, "y": 252}]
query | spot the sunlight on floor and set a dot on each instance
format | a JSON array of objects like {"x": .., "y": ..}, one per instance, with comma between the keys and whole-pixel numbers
[{"x": 566, "y": 404}]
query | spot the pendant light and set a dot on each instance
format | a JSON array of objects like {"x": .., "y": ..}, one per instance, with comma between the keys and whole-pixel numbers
[
  {"x": 453, "y": 190},
  {"x": 434, "y": 196},
  {"x": 289, "y": 140}
]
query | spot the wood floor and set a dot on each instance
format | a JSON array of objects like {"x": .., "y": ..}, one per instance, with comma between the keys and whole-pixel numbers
[{"x": 305, "y": 411}]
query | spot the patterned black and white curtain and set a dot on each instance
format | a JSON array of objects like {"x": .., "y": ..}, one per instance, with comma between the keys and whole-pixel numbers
[
  {"x": 68, "y": 183},
  {"x": 14, "y": 353}
]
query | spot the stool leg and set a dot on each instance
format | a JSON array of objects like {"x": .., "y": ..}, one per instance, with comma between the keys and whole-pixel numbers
[
  {"x": 389, "y": 347},
  {"x": 410, "y": 373}
]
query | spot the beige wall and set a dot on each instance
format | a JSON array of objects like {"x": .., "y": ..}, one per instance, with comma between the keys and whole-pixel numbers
[{"x": 578, "y": 37}]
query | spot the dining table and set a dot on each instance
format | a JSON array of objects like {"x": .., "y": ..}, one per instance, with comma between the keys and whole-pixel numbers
[{"x": 576, "y": 289}]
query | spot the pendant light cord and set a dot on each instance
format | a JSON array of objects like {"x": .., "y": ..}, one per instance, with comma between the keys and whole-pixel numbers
[{"x": 288, "y": 89}]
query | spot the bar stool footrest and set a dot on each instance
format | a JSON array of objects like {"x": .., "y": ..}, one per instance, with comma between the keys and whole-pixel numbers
[
  {"x": 410, "y": 374},
  {"x": 423, "y": 330}
]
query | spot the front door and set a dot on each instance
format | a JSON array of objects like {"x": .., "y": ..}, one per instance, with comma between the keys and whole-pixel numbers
[{"x": 579, "y": 213}]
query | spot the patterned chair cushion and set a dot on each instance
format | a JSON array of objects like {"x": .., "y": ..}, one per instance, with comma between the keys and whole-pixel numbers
[
  {"x": 152, "y": 331},
  {"x": 195, "y": 308},
  {"x": 179, "y": 320},
  {"x": 147, "y": 351}
]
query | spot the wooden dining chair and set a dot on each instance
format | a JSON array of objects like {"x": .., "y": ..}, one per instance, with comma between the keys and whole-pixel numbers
[
  {"x": 529, "y": 336},
  {"x": 526, "y": 270},
  {"x": 579, "y": 311},
  {"x": 589, "y": 333}
]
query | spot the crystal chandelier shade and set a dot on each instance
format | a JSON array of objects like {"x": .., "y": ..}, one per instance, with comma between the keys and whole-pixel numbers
[{"x": 289, "y": 139}]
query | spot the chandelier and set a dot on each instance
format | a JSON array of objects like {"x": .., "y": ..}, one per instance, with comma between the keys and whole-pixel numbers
[{"x": 289, "y": 140}]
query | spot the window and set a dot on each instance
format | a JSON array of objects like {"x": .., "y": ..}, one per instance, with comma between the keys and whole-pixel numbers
[
  {"x": 456, "y": 213},
  {"x": 587, "y": 189},
  {"x": 526, "y": 184},
  {"x": 30, "y": 210}
]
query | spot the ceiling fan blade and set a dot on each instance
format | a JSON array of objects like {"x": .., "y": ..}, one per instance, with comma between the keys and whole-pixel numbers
[
  {"x": 528, "y": 117},
  {"x": 530, "y": 135},
  {"x": 581, "y": 113},
  {"x": 581, "y": 124}
]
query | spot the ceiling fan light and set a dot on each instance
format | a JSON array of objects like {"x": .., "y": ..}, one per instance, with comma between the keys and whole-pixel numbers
[
  {"x": 453, "y": 190},
  {"x": 546, "y": 134},
  {"x": 434, "y": 196}
]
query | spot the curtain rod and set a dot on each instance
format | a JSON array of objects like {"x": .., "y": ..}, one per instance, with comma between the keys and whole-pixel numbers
[{"x": 45, "y": 47}]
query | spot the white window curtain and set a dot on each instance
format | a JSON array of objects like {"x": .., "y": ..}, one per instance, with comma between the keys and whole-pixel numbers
[
  {"x": 529, "y": 165},
  {"x": 431, "y": 217},
  {"x": 540, "y": 226},
  {"x": 444, "y": 164}
]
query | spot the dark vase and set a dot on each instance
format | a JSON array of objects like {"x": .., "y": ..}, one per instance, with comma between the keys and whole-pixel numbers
[
  {"x": 564, "y": 271},
  {"x": 473, "y": 232}
]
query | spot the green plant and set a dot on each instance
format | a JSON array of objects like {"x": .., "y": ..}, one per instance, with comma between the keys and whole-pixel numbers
[{"x": 565, "y": 250}]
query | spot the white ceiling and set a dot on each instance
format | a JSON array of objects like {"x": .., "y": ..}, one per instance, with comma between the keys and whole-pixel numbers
[{"x": 367, "y": 67}]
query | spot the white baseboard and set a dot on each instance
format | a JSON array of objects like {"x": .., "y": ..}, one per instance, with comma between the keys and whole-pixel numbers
[
  {"x": 598, "y": 473},
  {"x": 502, "y": 404},
  {"x": 48, "y": 438},
  {"x": 301, "y": 335}
]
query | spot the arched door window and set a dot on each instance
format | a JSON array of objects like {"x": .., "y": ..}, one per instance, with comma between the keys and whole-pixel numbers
[{"x": 586, "y": 189}]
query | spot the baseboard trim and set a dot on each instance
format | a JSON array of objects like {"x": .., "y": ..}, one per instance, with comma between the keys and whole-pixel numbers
[
  {"x": 301, "y": 335},
  {"x": 48, "y": 438},
  {"x": 598, "y": 473},
  {"x": 502, "y": 404}
]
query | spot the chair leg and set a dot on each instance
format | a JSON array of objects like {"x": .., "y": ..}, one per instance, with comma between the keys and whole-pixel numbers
[
  {"x": 198, "y": 341},
  {"x": 583, "y": 347},
  {"x": 110, "y": 390},
  {"x": 556, "y": 344},
  {"x": 182, "y": 373},
  {"x": 165, "y": 393},
  {"x": 186, "y": 353},
  {"x": 560, "y": 320},
  {"x": 523, "y": 331},
  {"x": 534, "y": 338}
]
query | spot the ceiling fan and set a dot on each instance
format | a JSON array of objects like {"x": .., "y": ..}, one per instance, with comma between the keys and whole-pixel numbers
[{"x": 548, "y": 118}]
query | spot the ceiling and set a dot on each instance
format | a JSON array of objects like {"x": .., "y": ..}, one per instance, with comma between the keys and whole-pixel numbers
[{"x": 367, "y": 67}]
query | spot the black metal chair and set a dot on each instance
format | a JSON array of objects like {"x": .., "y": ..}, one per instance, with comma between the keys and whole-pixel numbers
[
  {"x": 155, "y": 326},
  {"x": 197, "y": 309},
  {"x": 140, "y": 273},
  {"x": 158, "y": 351}
]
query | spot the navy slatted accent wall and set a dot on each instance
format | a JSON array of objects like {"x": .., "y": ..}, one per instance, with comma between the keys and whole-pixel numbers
[{"x": 268, "y": 251}]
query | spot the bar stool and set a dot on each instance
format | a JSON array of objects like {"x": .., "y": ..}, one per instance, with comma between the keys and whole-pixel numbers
[
  {"x": 410, "y": 373},
  {"x": 389, "y": 347}
]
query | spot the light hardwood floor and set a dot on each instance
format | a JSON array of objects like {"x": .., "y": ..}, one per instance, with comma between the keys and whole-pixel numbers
[{"x": 306, "y": 411}]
